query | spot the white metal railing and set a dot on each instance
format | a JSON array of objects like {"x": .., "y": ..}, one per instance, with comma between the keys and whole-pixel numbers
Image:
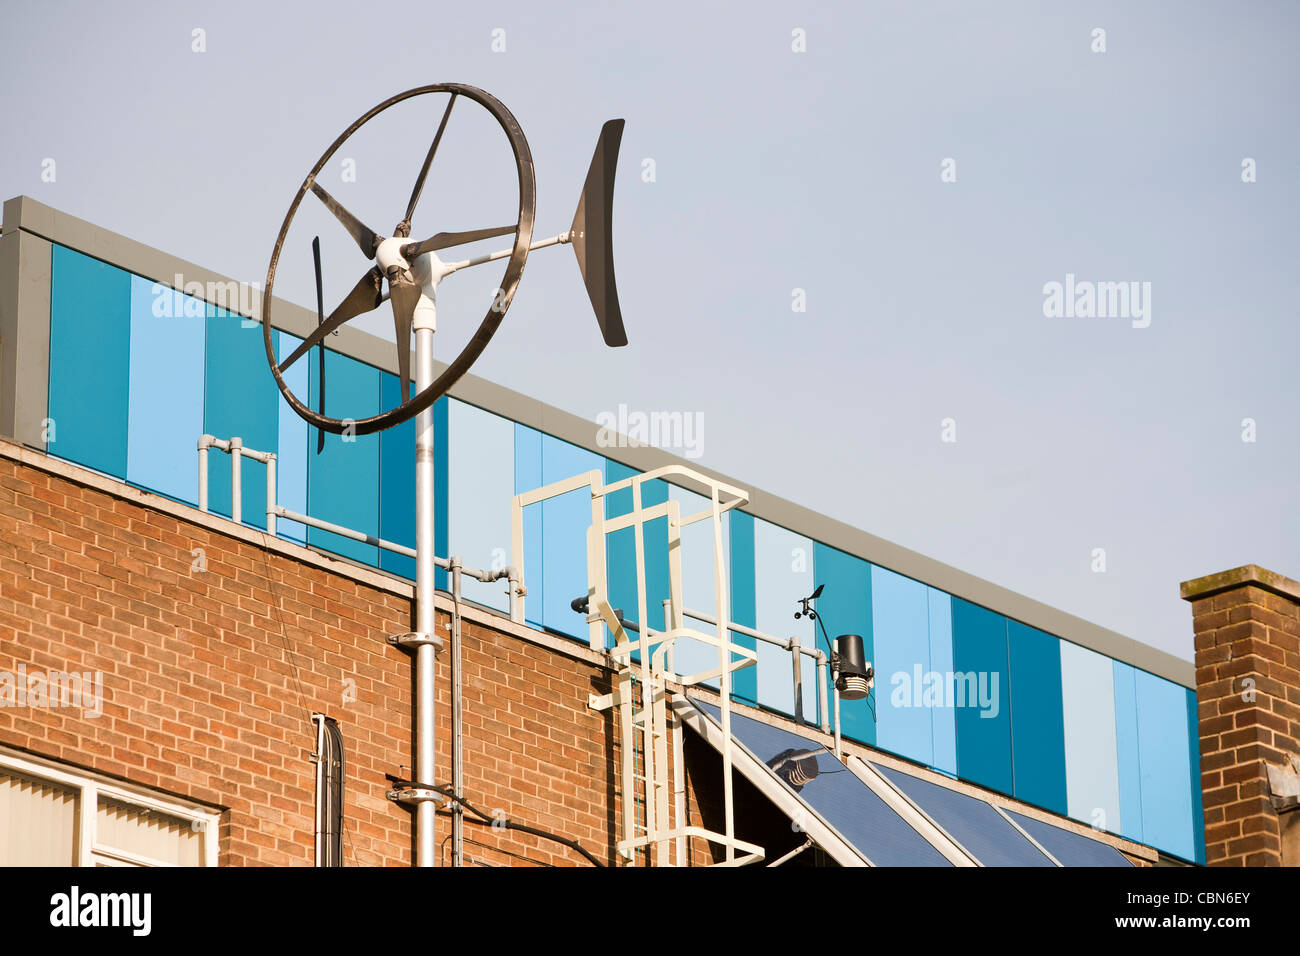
[
  {"x": 234, "y": 447},
  {"x": 237, "y": 450}
]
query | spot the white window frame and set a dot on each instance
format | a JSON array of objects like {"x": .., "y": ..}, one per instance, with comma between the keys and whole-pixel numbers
[{"x": 89, "y": 851}]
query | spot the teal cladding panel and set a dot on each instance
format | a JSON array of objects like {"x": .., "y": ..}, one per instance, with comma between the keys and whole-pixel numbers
[
  {"x": 241, "y": 399},
  {"x": 1037, "y": 720},
  {"x": 845, "y": 608},
  {"x": 90, "y": 343},
  {"x": 979, "y": 640},
  {"x": 744, "y": 682},
  {"x": 343, "y": 481}
]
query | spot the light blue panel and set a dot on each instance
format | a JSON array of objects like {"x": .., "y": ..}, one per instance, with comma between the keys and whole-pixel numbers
[
  {"x": 528, "y": 475},
  {"x": 1037, "y": 725},
  {"x": 1127, "y": 753},
  {"x": 744, "y": 683},
  {"x": 343, "y": 481},
  {"x": 845, "y": 608},
  {"x": 481, "y": 482},
  {"x": 943, "y": 719},
  {"x": 1091, "y": 761},
  {"x": 698, "y": 587},
  {"x": 90, "y": 348},
  {"x": 165, "y": 407},
  {"x": 241, "y": 398},
  {"x": 783, "y": 573},
  {"x": 980, "y": 695},
  {"x": 396, "y": 481},
  {"x": 900, "y": 613},
  {"x": 293, "y": 439},
  {"x": 1194, "y": 768},
  {"x": 1163, "y": 755},
  {"x": 565, "y": 521}
]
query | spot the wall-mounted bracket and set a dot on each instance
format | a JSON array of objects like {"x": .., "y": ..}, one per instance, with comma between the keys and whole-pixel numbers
[{"x": 412, "y": 640}]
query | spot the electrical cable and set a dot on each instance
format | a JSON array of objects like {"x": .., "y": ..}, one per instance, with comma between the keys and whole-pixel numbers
[{"x": 491, "y": 821}]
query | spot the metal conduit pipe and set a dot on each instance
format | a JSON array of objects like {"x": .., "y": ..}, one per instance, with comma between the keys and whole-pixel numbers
[{"x": 457, "y": 750}]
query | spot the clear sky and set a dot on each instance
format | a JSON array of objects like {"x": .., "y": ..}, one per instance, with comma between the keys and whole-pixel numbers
[{"x": 777, "y": 170}]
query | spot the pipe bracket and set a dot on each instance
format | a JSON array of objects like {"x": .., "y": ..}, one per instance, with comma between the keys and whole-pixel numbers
[{"x": 412, "y": 640}]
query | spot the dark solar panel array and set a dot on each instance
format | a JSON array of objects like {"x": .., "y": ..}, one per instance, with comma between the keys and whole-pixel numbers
[{"x": 831, "y": 789}]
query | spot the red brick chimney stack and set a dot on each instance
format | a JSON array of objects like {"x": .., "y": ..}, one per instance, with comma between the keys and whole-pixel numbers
[{"x": 1247, "y": 627}]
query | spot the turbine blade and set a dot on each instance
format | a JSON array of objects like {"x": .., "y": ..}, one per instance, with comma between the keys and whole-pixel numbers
[
  {"x": 364, "y": 236},
  {"x": 592, "y": 234},
  {"x": 320, "y": 320},
  {"x": 444, "y": 240},
  {"x": 365, "y": 295},
  {"x": 404, "y": 296},
  {"x": 424, "y": 172}
]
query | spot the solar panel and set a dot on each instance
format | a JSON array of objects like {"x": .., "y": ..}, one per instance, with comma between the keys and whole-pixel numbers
[
  {"x": 833, "y": 792},
  {"x": 1072, "y": 849},
  {"x": 974, "y": 824}
]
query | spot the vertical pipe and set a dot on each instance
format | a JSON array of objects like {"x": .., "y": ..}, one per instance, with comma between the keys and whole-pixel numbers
[
  {"x": 835, "y": 676},
  {"x": 203, "y": 473},
  {"x": 457, "y": 753},
  {"x": 723, "y": 607},
  {"x": 236, "y": 482},
  {"x": 798, "y": 680},
  {"x": 425, "y": 767},
  {"x": 270, "y": 494},
  {"x": 319, "y": 757},
  {"x": 822, "y": 709}
]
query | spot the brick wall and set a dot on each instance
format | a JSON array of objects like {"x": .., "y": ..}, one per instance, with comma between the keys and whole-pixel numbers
[
  {"x": 215, "y": 650},
  {"x": 1247, "y": 626}
]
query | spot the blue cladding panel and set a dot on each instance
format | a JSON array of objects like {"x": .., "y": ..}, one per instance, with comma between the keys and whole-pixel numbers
[
  {"x": 744, "y": 683},
  {"x": 1194, "y": 770},
  {"x": 1070, "y": 849},
  {"x": 1037, "y": 722},
  {"x": 1127, "y": 751},
  {"x": 242, "y": 399},
  {"x": 943, "y": 718},
  {"x": 900, "y": 611},
  {"x": 291, "y": 468},
  {"x": 974, "y": 824},
  {"x": 528, "y": 475},
  {"x": 565, "y": 521},
  {"x": 396, "y": 480},
  {"x": 980, "y": 670},
  {"x": 837, "y": 796},
  {"x": 1091, "y": 763},
  {"x": 343, "y": 481},
  {"x": 783, "y": 565},
  {"x": 845, "y": 608},
  {"x": 165, "y": 416},
  {"x": 1163, "y": 755},
  {"x": 481, "y": 482},
  {"x": 90, "y": 342}
]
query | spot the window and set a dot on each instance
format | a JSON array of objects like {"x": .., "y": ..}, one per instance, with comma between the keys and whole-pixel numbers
[{"x": 54, "y": 816}]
